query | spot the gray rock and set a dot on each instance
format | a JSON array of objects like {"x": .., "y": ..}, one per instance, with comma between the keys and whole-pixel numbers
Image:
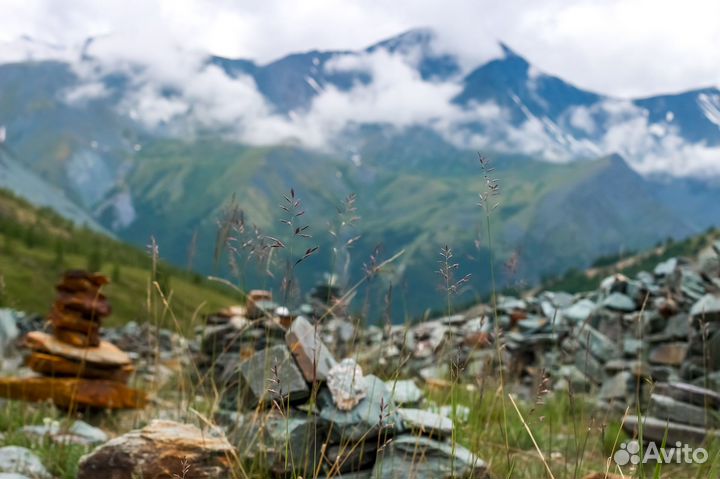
[
  {"x": 690, "y": 394},
  {"x": 417, "y": 457},
  {"x": 363, "y": 421},
  {"x": 295, "y": 443},
  {"x": 666, "y": 268},
  {"x": 580, "y": 311},
  {"x": 405, "y": 391},
  {"x": 12, "y": 475},
  {"x": 654, "y": 429},
  {"x": 311, "y": 354},
  {"x": 346, "y": 384},
  {"x": 426, "y": 422},
  {"x": 664, "y": 407},
  {"x": 270, "y": 374},
  {"x": 22, "y": 461},
  {"x": 706, "y": 308},
  {"x": 597, "y": 343},
  {"x": 8, "y": 329},
  {"x": 617, "y": 387},
  {"x": 79, "y": 432},
  {"x": 619, "y": 302},
  {"x": 589, "y": 366}
]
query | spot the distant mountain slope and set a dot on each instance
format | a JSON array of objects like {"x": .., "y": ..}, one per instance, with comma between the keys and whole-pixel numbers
[{"x": 36, "y": 245}]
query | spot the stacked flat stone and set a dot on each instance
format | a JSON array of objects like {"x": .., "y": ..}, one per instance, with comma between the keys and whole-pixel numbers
[{"x": 76, "y": 367}]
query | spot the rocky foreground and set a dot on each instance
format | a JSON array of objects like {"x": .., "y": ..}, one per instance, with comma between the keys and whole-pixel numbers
[{"x": 313, "y": 394}]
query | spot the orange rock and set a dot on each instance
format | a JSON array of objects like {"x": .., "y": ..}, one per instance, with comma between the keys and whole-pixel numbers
[
  {"x": 105, "y": 355},
  {"x": 73, "y": 322},
  {"x": 75, "y": 338},
  {"x": 90, "y": 305},
  {"x": 56, "y": 366},
  {"x": 73, "y": 392}
]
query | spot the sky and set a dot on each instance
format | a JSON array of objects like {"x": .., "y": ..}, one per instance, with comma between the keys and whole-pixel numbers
[{"x": 623, "y": 48}]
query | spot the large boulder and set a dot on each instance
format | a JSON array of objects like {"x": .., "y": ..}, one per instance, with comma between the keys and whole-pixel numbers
[{"x": 162, "y": 449}]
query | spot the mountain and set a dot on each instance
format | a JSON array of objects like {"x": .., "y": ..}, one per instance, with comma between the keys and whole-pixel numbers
[{"x": 79, "y": 138}]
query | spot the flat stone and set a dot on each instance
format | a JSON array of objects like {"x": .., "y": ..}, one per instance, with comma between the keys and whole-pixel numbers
[
  {"x": 73, "y": 322},
  {"x": 690, "y": 394},
  {"x": 346, "y": 384},
  {"x": 362, "y": 421},
  {"x": 14, "y": 459},
  {"x": 56, "y": 366},
  {"x": 589, "y": 366},
  {"x": 311, "y": 354},
  {"x": 426, "y": 422},
  {"x": 254, "y": 380},
  {"x": 580, "y": 311},
  {"x": 405, "y": 391},
  {"x": 597, "y": 343},
  {"x": 420, "y": 457},
  {"x": 707, "y": 308},
  {"x": 69, "y": 392},
  {"x": 619, "y": 302},
  {"x": 350, "y": 460},
  {"x": 670, "y": 354},
  {"x": 90, "y": 305},
  {"x": 162, "y": 449},
  {"x": 654, "y": 429},
  {"x": 106, "y": 354},
  {"x": 665, "y": 407},
  {"x": 666, "y": 268}
]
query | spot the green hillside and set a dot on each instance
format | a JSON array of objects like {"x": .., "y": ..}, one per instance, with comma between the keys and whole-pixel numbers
[{"x": 36, "y": 245}]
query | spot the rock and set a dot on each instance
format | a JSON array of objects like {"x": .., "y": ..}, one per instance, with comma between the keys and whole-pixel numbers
[
  {"x": 270, "y": 374},
  {"x": 417, "y": 457},
  {"x": 105, "y": 355},
  {"x": 689, "y": 394},
  {"x": 654, "y": 429},
  {"x": 79, "y": 432},
  {"x": 664, "y": 407},
  {"x": 161, "y": 449},
  {"x": 73, "y": 392},
  {"x": 405, "y": 392},
  {"x": 617, "y": 387},
  {"x": 12, "y": 475},
  {"x": 619, "y": 302},
  {"x": 707, "y": 308},
  {"x": 363, "y": 420},
  {"x": 461, "y": 413},
  {"x": 597, "y": 343},
  {"x": 8, "y": 329},
  {"x": 671, "y": 354},
  {"x": 346, "y": 384},
  {"x": 295, "y": 443},
  {"x": 312, "y": 356},
  {"x": 580, "y": 311},
  {"x": 22, "y": 461},
  {"x": 56, "y": 366},
  {"x": 349, "y": 460},
  {"x": 666, "y": 268},
  {"x": 426, "y": 422}
]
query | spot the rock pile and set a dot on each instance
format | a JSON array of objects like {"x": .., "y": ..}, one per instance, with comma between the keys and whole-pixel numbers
[
  {"x": 76, "y": 368},
  {"x": 293, "y": 402}
]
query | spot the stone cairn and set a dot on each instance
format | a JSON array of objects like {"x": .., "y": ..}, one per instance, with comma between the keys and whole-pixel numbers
[{"x": 76, "y": 367}]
